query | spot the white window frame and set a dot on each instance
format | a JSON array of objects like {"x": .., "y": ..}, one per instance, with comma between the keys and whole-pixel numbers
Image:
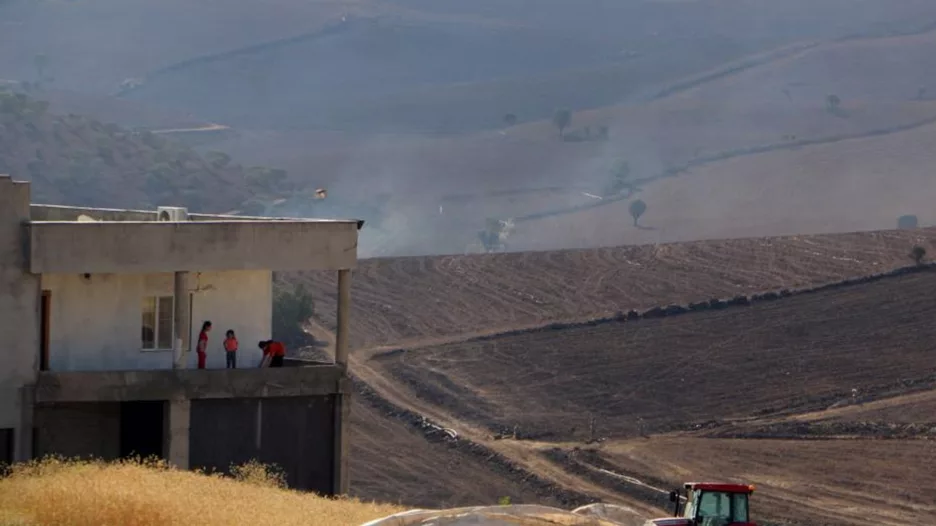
[{"x": 158, "y": 300}]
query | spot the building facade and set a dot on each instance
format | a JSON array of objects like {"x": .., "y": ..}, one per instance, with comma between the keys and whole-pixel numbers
[{"x": 99, "y": 310}]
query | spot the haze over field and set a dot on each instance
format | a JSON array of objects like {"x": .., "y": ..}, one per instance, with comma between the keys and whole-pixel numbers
[{"x": 431, "y": 120}]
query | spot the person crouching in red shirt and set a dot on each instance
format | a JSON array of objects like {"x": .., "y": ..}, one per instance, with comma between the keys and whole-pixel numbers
[{"x": 275, "y": 350}]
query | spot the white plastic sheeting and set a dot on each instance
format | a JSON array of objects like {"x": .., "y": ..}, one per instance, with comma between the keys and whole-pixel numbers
[
  {"x": 612, "y": 513},
  {"x": 515, "y": 515}
]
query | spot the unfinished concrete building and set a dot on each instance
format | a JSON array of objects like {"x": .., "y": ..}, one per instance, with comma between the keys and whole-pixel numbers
[{"x": 97, "y": 311}]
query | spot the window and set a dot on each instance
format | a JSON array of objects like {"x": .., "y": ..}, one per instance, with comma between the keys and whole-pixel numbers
[
  {"x": 717, "y": 508},
  {"x": 739, "y": 507},
  {"x": 157, "y": 322}
]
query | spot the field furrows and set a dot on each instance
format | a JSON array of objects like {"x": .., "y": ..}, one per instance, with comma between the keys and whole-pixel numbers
[
  {"x": 404, "y": 300},
  {"x": 797, "y": 354},
  {"x": 392, "y": 463},
  {"x": 849, "y": 482}
]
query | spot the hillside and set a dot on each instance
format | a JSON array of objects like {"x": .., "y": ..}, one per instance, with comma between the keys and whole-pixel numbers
[
  {"x": 432, "y": 195},
  {"x": 808, "y": 483},
  {"x": 394, "y": 462},
  {"x": 400, "y": 300},
  {"x": 859, "y": 184},
  {"x": 835, "y": 388},
  {"x": 77, "y": 160},
  {"x": 393, "y": 72},
  {"x": 794, "y": 354},
  {"x": 398, "y": 108}
]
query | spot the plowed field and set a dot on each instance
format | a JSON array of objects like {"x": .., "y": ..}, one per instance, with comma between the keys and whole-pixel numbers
[
  {"x": 391, "y": 462},
  {"x": 404, "y": 300},
  {"x": 815, "y": 483},
  {"x": 796, "y": 354}
]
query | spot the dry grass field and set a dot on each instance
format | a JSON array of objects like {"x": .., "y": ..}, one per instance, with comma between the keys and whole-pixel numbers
[
  {"x": 396, "y": 301},
  {"x": 56, "y": 493}
]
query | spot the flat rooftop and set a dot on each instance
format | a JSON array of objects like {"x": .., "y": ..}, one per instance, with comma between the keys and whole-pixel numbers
[{"x": 67, "y": 239}]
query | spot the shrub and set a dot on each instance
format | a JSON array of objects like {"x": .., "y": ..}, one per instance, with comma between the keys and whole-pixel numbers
[
  {"x": 259, "y": 474},
  {"x": 292, "y": 309},
  {"x": 917, "y": 254}
]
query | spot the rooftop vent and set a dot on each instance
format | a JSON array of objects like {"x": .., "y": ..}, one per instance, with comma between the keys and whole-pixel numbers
[{"x": 172, "y": 213}]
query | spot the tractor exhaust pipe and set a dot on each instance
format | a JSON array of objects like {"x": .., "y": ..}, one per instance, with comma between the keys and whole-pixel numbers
[{"x": 674, "y": 498}]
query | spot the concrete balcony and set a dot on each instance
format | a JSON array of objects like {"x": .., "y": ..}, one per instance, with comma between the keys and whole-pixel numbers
[
  {"x": 189, "y": 384},
  {"x": 151, "y": 246}
]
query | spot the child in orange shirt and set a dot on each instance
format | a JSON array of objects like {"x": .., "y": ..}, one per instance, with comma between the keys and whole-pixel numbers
[{"x": 230, "y": 349}]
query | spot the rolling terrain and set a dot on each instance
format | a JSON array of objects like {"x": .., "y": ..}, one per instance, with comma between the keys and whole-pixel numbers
[
  {"x": 867, "y": 184},
  {"x": 477, "y": 376},
  {"x": 844, "y": 355},
  {"x": 816, "y": 483},
  {"x": 76, "y": 160},
  {"x": 398, "y": 108},
  {"x": 846, "y": 363},
  {"x": 793, "y": 354},
  {"x": 709, "y": 162},
  {"x": 396, "y": 301}
]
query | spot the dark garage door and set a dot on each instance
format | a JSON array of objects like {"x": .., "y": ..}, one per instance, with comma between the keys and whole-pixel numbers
[{"x": 295, "y": 433}]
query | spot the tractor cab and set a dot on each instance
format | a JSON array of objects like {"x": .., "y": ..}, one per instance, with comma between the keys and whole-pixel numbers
[{"x": 710, "y": 504}]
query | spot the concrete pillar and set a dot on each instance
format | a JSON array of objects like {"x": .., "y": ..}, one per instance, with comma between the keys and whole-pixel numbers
[
  {"x": 341, "y": 472},
  {"x": 23, "y": 439},
  {"x": 341, "y": 480},
  {"x": 344, "y": 308},
  {"x": 176, "y": 427},
  {"x": 20, "y": 293},
  {"x": 180, "y": 347}
]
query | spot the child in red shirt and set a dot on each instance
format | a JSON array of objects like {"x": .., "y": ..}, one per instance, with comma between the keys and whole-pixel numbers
[{"x": 203, "y": 344}]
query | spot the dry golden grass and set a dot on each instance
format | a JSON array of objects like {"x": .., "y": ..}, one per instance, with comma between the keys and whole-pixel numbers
[{"x": 56, "y": 492}]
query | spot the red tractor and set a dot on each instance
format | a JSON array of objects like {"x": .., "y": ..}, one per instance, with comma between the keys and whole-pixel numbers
[{"x": 710, "y": 504}]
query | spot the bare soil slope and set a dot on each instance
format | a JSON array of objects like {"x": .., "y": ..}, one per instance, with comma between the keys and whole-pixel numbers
[
  {"x": 396, "y": 301},
  {"x": 795, "y": 354},
  {"x": 818, "y": 483},
  {"x": 392, "y": 462}
]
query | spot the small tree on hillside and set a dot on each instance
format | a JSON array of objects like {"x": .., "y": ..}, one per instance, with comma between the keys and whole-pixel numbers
[
  {"x": 562, "y": 119},
  {"x": 510, "y": 119},
  {"x": 292, "y": 309},
  {"x": 832, "y": 103},
  {"x": 917, "y": 254},
  {"x": 637, "y": 209}
]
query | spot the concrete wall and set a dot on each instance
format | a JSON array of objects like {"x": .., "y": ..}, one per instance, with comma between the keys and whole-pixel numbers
[
  {"x": 186, "y": 384},
  {"x": 95, "y": 323},
  {"x": 71, "y": 213},
  {"x": 19, "y": 310},
  {"x": 78, "y": 430},
  {"x": 141, "y": 247},
  {"x": 295, "y": 433}
]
